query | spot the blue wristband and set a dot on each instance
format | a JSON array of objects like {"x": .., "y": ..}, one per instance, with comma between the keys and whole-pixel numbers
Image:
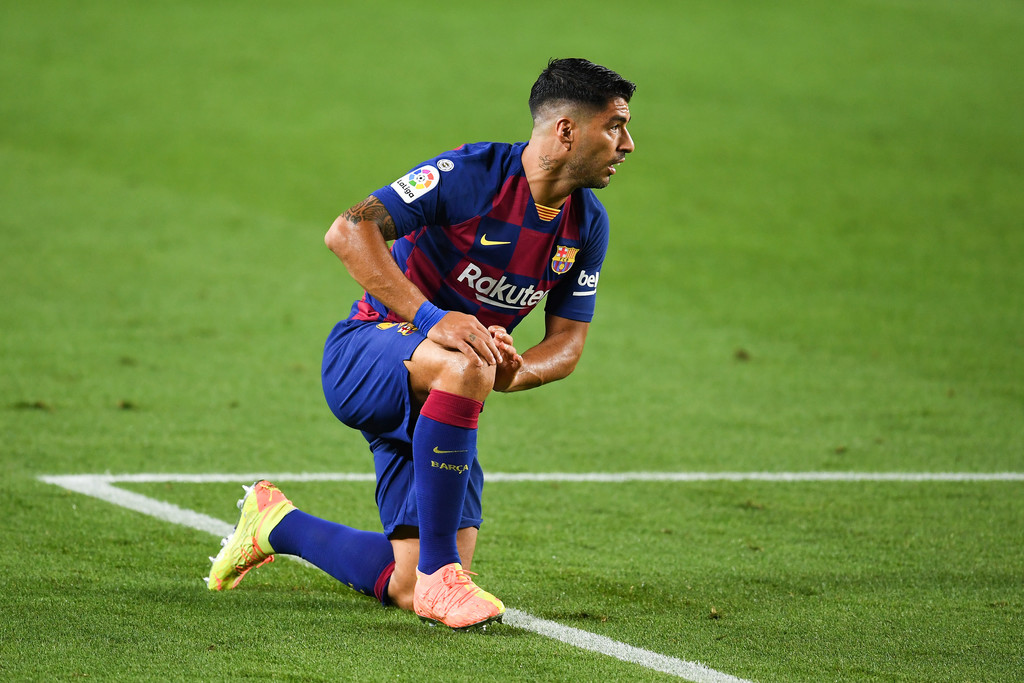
[{"x": 427, "y": 316}]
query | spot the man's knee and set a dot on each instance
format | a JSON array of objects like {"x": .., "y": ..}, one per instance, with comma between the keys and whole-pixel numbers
[
  {"x": 400, "y": 590},
  {"x": 460, "y": 375},
  {"x": 433, "y": 368}
]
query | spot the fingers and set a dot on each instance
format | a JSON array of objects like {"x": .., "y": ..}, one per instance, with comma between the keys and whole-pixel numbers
[
  {"x": 467, "y": 335},
  {"x": 500, "y": 336},
  {"x": 509, "y": 354},
  {"x": 500, "y": 333},
  {"x": 511, "y": 361},
  {"x": 484, "y": 346},
  {"x": 506, "y": 346}
]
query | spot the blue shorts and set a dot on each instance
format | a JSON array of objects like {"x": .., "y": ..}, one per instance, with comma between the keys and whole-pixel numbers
[
  {"x": 366, "y": 385},
  {"x": 396, "y": 487},
  {"x": 365, "y": 380}
]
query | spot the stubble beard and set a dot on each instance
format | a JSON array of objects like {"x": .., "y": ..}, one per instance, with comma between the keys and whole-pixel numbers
[{"x": 583, "y": 176}]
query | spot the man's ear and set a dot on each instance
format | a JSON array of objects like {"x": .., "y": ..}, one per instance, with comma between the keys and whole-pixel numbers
[{"x": 565, "y": 131}]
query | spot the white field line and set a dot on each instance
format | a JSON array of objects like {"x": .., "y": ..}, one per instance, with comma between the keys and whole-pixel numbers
[
  {"x": 102, "y": 486},
  {"x": 566, "y": 477},
  {"x": 585, "y": 640}
]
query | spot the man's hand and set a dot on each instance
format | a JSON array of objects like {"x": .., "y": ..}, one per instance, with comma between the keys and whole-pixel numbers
[
  {"x": 465, "y": 333},
  {"x": 509, "y": 361}
]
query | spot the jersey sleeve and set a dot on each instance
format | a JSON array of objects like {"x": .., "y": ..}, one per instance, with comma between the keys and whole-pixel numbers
[
  {"x": 412, "y": 200},
  {"x": 434, "y": 192},
  {"x": 575, "y": 295}
]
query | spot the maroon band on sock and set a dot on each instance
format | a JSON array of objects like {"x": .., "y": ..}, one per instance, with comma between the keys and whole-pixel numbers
[
  {"x": 380, "y": 588},
  {"x": 452, "y": 409}
]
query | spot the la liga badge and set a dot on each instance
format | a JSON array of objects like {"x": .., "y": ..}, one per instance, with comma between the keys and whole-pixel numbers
[
  {"x": 563, "y": 259},
  {"x": 416, "y": 184}
]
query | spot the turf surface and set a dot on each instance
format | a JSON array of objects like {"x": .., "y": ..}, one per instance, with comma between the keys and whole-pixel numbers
[{"x": 815, "y": 265}]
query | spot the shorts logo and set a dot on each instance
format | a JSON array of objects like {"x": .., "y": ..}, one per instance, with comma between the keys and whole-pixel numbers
[
  {"x": 416, "y": 184},
  {"x": 563, "y": 259},
  {"x": 404, "y": 329},
  {"x": 445, "y": 165}
]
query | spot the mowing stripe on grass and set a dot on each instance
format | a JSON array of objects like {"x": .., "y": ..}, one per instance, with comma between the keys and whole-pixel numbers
[{"x": 101, "y": 486}]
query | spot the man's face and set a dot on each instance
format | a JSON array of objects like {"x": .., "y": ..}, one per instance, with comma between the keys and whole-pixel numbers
[{"x": 602, "y": 143}]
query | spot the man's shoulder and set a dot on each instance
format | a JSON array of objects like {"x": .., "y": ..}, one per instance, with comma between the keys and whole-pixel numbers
[
  {"x": 471, "y": 175},
  {"x": 478, "y": 156},
  {"x": 455, "y": 177}
]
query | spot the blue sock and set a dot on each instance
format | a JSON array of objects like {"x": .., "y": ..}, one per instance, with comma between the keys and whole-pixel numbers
[
  {"x": 362, "y": 560},
  {"x": 443, "y": 449}
]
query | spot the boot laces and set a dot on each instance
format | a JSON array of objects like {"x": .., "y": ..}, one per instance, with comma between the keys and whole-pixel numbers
[{"x": 458, "y": 577}]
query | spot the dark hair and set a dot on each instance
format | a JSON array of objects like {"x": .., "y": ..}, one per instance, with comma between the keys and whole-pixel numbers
[{"x": 578, "y": 81}]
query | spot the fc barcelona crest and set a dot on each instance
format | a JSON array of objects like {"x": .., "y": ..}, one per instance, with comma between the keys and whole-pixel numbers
[
  {"x": 404, "y": 329},
  {"x": 563, "y": 259}
]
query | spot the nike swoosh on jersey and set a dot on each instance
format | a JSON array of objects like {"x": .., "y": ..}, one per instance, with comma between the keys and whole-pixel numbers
[
  {"x": 440, "y": 452},
  {"x": 490, "y": 243}
]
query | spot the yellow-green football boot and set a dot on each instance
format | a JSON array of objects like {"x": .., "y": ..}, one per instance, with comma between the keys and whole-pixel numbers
[{"x": 248, "y": 546}]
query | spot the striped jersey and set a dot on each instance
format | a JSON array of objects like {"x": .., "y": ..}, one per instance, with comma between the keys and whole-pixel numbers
[{"x": 472, "y": 239}]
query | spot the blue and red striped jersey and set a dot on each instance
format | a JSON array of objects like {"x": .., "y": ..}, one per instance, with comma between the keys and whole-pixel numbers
[{"x": 472, "y": 239}]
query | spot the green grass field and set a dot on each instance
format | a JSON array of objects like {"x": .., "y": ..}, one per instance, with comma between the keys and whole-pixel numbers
[{"x": 817, "y": 265}]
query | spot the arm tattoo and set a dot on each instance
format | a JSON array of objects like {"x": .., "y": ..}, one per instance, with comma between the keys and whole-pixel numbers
[{"x": 370, "y": 209}]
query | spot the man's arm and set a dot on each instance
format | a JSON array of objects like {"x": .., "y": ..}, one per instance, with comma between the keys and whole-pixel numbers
[
  {"x": 554, "y": 358},
  {"x": 359, "y": 238}
]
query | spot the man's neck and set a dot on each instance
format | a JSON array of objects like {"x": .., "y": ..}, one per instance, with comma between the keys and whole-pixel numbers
[{"x": 544, "y": 173}]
